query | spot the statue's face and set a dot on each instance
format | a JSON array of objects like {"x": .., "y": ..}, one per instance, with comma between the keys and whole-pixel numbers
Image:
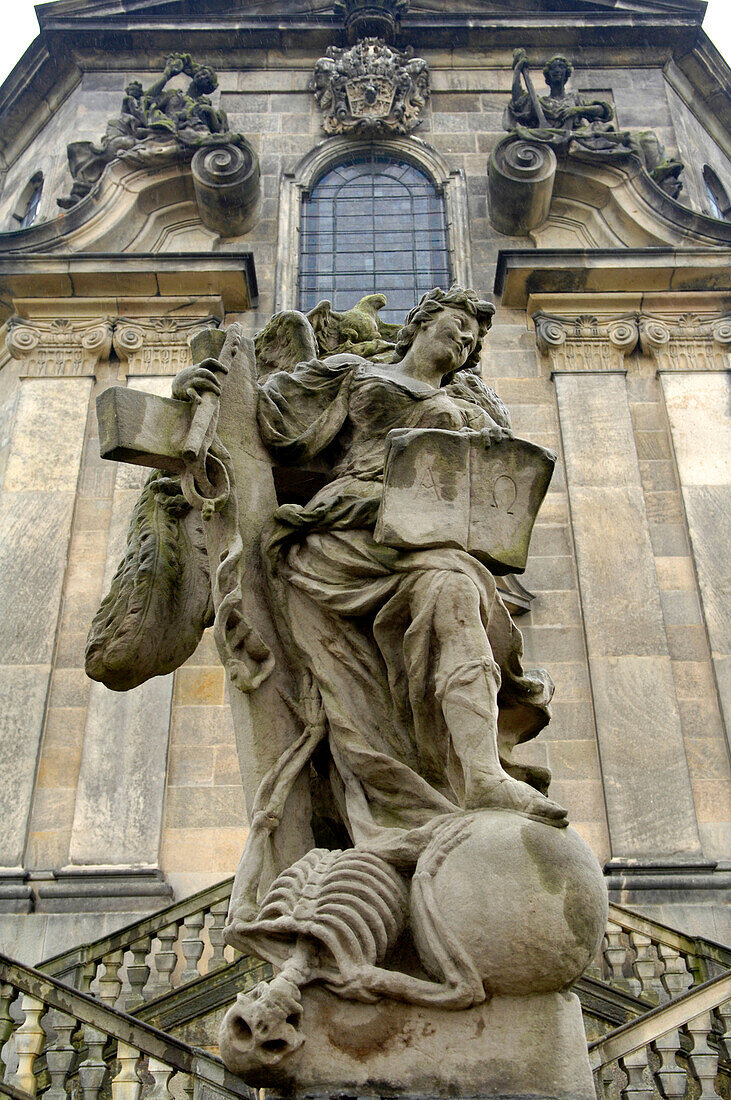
[
  {"x": 557, "y": 73},
  {"x": 452, "y": 333},
  {"x": 205, "y": 81},
  {"x": 134, "y": 89}
]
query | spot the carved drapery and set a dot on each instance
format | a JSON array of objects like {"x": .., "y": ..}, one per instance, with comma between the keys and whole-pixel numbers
[
  {"x": 687, "y": 341},
  {"x": 62, "y": 347},
  {"x": 586, "y": 342}
]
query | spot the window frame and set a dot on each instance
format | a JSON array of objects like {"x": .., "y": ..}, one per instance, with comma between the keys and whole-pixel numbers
[{"x": 449, "y": 183}]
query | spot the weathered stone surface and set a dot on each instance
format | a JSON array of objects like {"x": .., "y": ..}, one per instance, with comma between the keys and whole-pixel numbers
[
  {"x": 36, "y": 507},
  {"x": 399, "y": 1048},
  {"x": 697, "y": 408},
  {"x": 643, "y": 759},
  {"x": 445, "y": 489},
  {"x": 121, "y": 788}
]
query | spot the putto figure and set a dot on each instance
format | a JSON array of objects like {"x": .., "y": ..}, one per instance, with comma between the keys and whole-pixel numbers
[
  {"x": 365, "y": 600},
  {"x": 168, "y": 120}
]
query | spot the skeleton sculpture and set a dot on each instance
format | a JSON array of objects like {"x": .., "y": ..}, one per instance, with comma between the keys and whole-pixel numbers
[{"x": 377, "y": 685}]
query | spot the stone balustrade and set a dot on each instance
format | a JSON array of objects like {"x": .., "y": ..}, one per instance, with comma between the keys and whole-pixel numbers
[
  {"x": 61, "y": 1043},
  {"x": 680, "y": 1049}
]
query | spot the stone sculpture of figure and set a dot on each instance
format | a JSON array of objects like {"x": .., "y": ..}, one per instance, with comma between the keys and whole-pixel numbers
[
  {"x": 411, "y": 689},
  {"x": 562, "y": 118},
  {"x": 188, "y": 119}
]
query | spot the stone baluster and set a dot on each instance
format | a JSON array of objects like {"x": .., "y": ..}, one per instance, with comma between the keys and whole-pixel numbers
[
  {"x": 724, "y": 1015},
  {"x": 110, "y": 983},
  {"x": 61, "y": 1054},
  {"x": 615, "y": 954},
  {"x": 675, "y": 977},
  {"x": 645, "y": 967},
  {"x": 126, "y": 1085},
  {"x": 161, "y": 1074},
  {"x": 218, "y": 913},
  {"x": 138, "y": 973},
  {"x": 165, "y": 959},
  {"x": 29, "y": 1039},
  {"x": 93, "y": 1069},
  {"x": 192, "y": 945},
  {"x": 703, "y": 1058},
  {"x": 672, "y": 1077},
  {"x": 7, "y": 1024},
  {"x": 636, "y": 1067},
  {"x": 189, "y": 1086},
  {"x": 87, "y": 974}
]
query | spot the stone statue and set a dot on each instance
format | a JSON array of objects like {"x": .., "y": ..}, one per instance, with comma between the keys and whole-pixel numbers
[
  {"x": 158, "y": 121},
  {"x": 574, "y": 124},
  {"x": 562, "y": 118},
  {"x": 396, "y": 844}
]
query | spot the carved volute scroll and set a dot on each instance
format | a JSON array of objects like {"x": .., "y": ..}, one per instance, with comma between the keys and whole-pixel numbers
[
  {"x": 586, "y": 342},
  {"x": 687, "y": 341},
  {"x": 61, "y": 347},
  {"x": 156, "y": 345}
]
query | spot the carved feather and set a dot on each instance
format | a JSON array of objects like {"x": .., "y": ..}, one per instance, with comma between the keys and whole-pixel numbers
[
  {"x": 286, "y": 340},
  {"x": 159, "y": 601}
]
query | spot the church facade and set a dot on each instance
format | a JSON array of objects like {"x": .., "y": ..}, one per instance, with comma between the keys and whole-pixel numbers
[{"x": 170, "y": 166}]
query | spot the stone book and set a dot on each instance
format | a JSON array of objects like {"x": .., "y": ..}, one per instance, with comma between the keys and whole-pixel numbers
[{"x": 452, "y": 489}]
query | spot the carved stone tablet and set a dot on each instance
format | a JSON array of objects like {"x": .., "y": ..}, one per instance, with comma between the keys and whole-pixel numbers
[{"x": 451, "y": 489}]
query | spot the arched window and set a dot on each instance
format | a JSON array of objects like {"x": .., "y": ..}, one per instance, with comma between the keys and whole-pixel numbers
[
  {"x": 26, "y": 210},
  {"x": 373, "y": 223},
  {"x": 717, "y": 195}
]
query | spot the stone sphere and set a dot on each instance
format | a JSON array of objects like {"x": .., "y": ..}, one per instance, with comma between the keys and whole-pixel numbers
[{"x": 524, "y": 901}]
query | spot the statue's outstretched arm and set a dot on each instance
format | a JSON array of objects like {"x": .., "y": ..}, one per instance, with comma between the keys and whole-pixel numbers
[{"x": 159, "y": 601}]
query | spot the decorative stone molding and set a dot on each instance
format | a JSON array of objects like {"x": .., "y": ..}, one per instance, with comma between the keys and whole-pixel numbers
[
  {"x": 157, "y": 345},
  {"x": 60, "y": 347},
  {"x": 368, "y": 18},
  {"x": 521, "y": 175},
  {"x": 371, "y": 88},
  {"x": 687, "y": 341},
  {"x": 227, "y": 187},
  {"x": 450, "y": 182},
  {"x": 586, "y": 342}
]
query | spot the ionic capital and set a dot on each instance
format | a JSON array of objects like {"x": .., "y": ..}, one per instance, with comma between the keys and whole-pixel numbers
[
  {"x": 157, "y": 345},
  {"x": 586, "y": 342},
  {"x": 61, "y": 347},
  {"x": 687, "y": 341}
]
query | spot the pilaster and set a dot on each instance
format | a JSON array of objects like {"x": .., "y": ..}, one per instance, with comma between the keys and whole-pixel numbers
[{"x": 649, "y": 800}]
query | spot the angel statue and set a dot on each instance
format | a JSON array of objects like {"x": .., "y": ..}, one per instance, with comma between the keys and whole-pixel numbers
[{"x": 378, "y": 690}]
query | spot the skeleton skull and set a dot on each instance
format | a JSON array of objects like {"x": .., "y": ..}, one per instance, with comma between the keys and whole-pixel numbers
[{"x": 261, "y": 1029}]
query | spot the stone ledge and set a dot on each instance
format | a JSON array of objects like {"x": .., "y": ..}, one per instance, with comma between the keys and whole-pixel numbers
[{"x": 97, "y": 889}]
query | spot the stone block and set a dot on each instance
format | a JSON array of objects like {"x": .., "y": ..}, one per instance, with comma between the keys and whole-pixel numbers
[
  {"x": 23, "y": 690},
  {"x": 649, "y": 802},
  {"x": 199, "y": 686},
  {"x": 49, "y": 409}
]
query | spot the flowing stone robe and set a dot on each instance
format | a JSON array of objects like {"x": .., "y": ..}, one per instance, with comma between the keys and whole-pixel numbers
[{"x": 360, "y": 615}]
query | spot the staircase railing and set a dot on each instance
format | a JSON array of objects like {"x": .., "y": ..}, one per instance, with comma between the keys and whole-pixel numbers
[
  {"x": 682, "y": 1048},
  {"x": 147, "y": 959},
  {"x": 61, "y": 1043},
  {"x": 652, "y": 961},
  {"x": 173, "y": 947}
]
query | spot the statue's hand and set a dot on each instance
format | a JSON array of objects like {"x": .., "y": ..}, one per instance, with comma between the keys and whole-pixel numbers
[
  {"x": 175, "y": 65},
  {"x": 192, "y": 382},
  {"x": 520, "y": 59},
  {"x": 495, "y": 435}
]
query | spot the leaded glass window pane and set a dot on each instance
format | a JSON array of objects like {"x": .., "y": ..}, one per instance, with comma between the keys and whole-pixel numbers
[{"x": 372, "y": 225}]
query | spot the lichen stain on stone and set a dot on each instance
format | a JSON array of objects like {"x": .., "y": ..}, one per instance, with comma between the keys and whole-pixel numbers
[
  {"x": 540, "y": 846},
  {"x": 360, "y": 1040}
]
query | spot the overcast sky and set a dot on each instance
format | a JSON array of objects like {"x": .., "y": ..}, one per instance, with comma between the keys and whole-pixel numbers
[{"x": 21, "y": 28}]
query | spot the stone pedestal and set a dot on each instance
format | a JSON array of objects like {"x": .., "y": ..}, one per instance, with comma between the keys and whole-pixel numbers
[{"x": 510, "y": 1046}]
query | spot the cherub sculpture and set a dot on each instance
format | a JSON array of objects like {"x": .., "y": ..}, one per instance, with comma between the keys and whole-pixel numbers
[
  {"x": 404, "y": 663},
  {"x": 159, "y": 116}
]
